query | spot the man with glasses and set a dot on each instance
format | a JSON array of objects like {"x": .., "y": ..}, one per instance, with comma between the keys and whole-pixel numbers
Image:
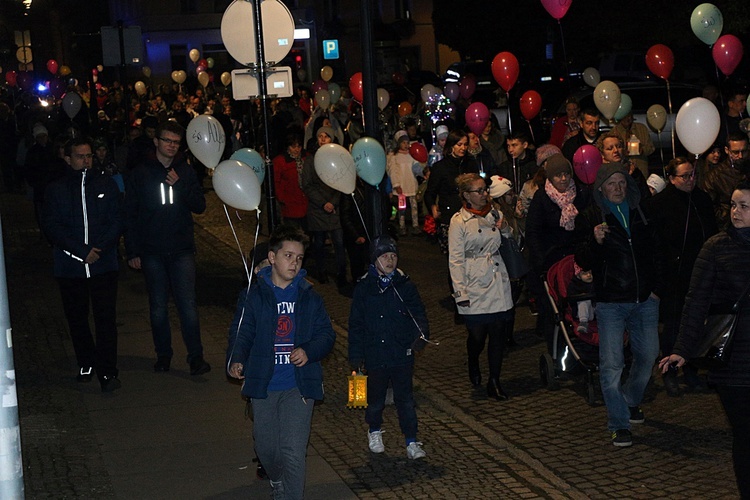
[
  {"x": 83, "y": 217},
  {"x": 161, "y": 196},
  {"x": 722, "y": 179},
  {"x": 685, "y": 219}
]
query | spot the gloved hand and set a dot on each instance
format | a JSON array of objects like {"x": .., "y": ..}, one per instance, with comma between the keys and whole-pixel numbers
[{"x": 357, "y": 365}]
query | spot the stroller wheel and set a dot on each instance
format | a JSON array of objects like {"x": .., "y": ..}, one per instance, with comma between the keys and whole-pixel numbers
[{"x": 547, "y": 372}]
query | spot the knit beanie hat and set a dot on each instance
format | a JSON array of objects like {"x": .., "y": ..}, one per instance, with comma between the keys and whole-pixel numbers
[
  {"x": 656, "y": 182},
  {"x": 326, "y": 130},
  {"x": 400, "y": 135},
  {"x": 382, "y": 244},
  {"x": 556, "y": 165},
  {"x": 545, "y": 151},
  {"x": 441, "y": 132},
  {"x": 499, "y": 186},
  {"x": 607, "y": 170},
  {"x": 39, "y": 129}
]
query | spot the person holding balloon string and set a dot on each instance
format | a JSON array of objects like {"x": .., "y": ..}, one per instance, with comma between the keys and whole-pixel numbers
[
  {"x": 323, "y": 214},
  {"x": 399, "y": 166},
  {"x": 521, "y": 164}
]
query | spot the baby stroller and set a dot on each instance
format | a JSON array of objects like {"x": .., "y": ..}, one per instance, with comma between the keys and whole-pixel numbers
[{"x": 573, "y": 352}]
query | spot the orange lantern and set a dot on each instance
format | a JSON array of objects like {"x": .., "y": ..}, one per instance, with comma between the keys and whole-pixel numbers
[{"x": 357, "y": 390}]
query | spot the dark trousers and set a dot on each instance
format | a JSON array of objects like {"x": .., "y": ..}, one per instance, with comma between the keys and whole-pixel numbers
[
  {"x": 403, "y": 396},
  {"x": 478, "y": 334},
  {"x": 101, "y": 292},
  {"x": 736, "y": 401},
  {"x": 358, "y": 258},
  {"x": 318, "y": 248}
]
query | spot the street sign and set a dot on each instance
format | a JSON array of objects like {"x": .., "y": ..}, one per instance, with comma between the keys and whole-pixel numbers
[
  {"x": 237, "y": 34},
  {"x": 330, "y": 49},
  {"x": 278, "y": 83}
]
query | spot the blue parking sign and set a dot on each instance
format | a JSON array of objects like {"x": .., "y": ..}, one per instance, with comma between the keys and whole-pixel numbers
[{"x": 330, "y": 49}]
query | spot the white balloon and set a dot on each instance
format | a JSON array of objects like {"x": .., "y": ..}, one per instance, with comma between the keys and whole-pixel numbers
[
  {"x": 140, "y": 88},
  {"x": 323, "y": 98},
  {"x": 592, "y": 77},
  {"x": 335, "y": 167},
  {"x": 427, "y": 91},
  {"x": 383, "y": 98},
  {"x": 607, "y": 98},
  {"x": 71, "y": 104},
  {"x": 698, "y": 125},
  {"x": 656, "y": 116},
  {"x": 237, "y": 185},
  {"x": 206, "y": 139}
]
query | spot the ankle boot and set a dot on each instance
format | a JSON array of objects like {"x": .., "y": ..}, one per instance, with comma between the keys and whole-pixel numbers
[
  {"x": 495, "y": 391},
  {"x": 476, "y": 379}
]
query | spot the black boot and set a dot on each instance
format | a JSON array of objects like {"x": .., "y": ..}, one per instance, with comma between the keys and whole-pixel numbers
[
  {"x": 670, "y": 383},
  {"x": 476, "y": 379},
  {"x": 509, "y": 340},
  {"x": 495, "y": 391}
]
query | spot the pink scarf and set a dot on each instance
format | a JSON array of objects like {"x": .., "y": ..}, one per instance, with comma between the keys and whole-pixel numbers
[{"x": 565, "y": 202}]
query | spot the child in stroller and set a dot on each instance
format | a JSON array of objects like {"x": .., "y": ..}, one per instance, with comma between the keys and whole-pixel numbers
[{"x": 580, "y": 295}]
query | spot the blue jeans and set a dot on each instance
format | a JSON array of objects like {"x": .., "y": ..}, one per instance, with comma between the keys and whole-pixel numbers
[
  {"x": 641, "y": 321},
  {"x": 281, "y": 430},
  {"x": 403, "y": 397},
  {"x": 175, "y": 272}
]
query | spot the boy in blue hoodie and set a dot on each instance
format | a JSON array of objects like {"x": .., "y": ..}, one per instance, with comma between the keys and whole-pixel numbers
[
  {"x": 279, "y": 335},
  {"x": 387, "y": 324}
]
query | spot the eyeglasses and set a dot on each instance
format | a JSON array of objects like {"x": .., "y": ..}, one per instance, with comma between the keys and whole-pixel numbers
[
  {"x": 479, "y": 191},
  {"x": 737, "y": 152},
  {"x": 170, "y": 141},
  {"x": 686, "y": 176},
  {"x": 84, "y": 156}
]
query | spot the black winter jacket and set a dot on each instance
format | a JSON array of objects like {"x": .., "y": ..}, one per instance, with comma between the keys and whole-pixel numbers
[
  {"x": 626, "y": 268},
  {"x": 159, "y": 216},
  {"x": 720, "y": 275},
  {"x": 74, "y": 231},
  {"x": 441, "y": 187},
  {"x": 381, "y": 330}
]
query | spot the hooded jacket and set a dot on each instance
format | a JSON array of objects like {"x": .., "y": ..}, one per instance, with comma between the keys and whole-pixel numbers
[
  {"x": 83, "y": 210},
  {"x": 383, "y": 322},
  {"x": 252, "y": 335},
  {"x": 626, "y": 268}
]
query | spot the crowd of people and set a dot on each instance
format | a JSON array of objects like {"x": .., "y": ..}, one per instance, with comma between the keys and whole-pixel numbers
[{"x": 653, "y": 246}]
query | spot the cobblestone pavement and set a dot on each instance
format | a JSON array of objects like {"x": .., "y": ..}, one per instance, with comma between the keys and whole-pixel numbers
[{"x": 539, "y": 444}]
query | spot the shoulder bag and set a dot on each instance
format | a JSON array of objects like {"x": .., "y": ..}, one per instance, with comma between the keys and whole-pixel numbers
[{"x": 718, "y": 335}]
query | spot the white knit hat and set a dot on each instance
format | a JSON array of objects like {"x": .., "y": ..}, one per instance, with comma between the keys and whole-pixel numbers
[
  {"x": 656, "y": 182},
  {"x": 499, "y": 186}
]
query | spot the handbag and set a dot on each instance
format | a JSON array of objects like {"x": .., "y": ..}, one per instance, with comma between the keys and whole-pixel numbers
[
  {"x": 718, "y": 335},
  {"x": 515, "y": 263}
]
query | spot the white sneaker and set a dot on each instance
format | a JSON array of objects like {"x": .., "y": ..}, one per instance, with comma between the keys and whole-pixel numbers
[
  {"x": 376, "y": 441},
  {"x": 414, "y": 451}
]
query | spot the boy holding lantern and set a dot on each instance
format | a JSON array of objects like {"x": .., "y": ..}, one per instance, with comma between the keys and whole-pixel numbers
[{"x": 387, "y": 324}]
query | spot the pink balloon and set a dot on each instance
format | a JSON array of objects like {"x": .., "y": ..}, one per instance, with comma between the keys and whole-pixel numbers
[
  {"x": 467, "y": 86},
  {"x": 199, "y": 69},
  {"x": 557, "y": 8},
  {"x": 319, "y": 85},
  {"x": 477, "y": 116},
  {"x": 586, "y": 163},
  {"x": 727, "y": 53},
  {"x": 452, "y": 91}
]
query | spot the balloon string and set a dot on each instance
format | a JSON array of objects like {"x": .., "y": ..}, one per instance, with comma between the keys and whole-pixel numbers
[
  {"x": 721, "y": 98},
  {"x": 242, "y": 254},
  {"x": 565, "y": 55},
  {"x": 661, "y": 153},
  {"x": 367, "y": 233},
  {"x": 531, "y": 131},
  {"x": 671, "y": 117},
  {"x": 510, "y": 124}
]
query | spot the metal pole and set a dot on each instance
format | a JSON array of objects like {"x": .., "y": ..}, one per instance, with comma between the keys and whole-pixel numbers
[
  {"x": 11, "y": 464},
  {"x": 373, "y": 196},
  {"x": 262, "y": 89},
  {"x": 123, "y": 72}
]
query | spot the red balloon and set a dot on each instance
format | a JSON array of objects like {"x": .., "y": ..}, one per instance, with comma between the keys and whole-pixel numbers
[
  {"x": 505, "y": 70},
  {"x": 25, "y": 80},
  {"x": 98, "y": 86},
  {"x": 95, "y": 72},
  {"x": 727, "y": 53},
  {"x": 52, "y": 66},
  {"x": 531, "y": 104},
  {"x": 319, "y": 85},
  {"x": 467, "y": 86},
  {"x": 203, "y": 62},
  {"x": 586, "y": 162},
  {"x": 557, "y": 8},
  {"x": 477, "y": 116},
  {"x": 660, "y": 61},
  {"x": 405, "y": 108},
  {"x": 418, "y": 152},
  {"x": 355, "y": 85},
  {"x": 398, "y": 78},
  {"x": 11, "y": 77}
]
